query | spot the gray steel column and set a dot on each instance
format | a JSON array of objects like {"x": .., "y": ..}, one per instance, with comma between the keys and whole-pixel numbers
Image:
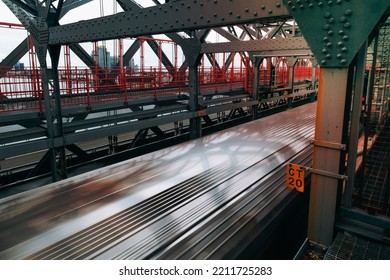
[
  {"x": 191, "y": 48},
  {"x": 257, "y": 60},
  {"x": 51, "y": 111},
  {"x": 314, "y": 64},
  {"x": 49, "y": 121},
  {"x": 195, "y": 123},
  {"x": 291, "y": 61},
  {"x": 355, "y": 125},
  {"x": 61, "y": 169},
  {"x": 329, "y": 129}
]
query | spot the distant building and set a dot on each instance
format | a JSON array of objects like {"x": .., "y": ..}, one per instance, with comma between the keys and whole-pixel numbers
[
  {"x": 105, "y": 59},
  {"x": 103, "y": 56},
  {"x": 19, "y": 66}
]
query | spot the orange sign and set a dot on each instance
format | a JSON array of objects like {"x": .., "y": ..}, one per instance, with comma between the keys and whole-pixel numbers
[{"x": 295, "y": 177}]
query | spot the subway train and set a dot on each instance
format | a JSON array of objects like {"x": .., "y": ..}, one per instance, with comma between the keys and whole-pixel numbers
[{"x": 221, "y": 196}]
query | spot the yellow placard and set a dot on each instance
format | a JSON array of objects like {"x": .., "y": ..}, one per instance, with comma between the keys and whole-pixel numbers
[{"x": 295, "y": 178}]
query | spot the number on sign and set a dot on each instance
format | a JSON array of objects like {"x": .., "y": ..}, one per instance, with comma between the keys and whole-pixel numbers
[{"x": 295, "y": 177}]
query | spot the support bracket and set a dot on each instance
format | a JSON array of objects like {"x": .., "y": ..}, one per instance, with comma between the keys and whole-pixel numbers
[
  {"x": 326, "y": 174},
  {"x": 330, "y": 145}
]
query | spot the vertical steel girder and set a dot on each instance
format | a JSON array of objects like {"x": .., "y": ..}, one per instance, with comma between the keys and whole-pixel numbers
[
  {"x": 38, "y": 28},
  {"x": 335, "y": 31},
  {"x": 370, "y": 95},
  {"x": 195, "y": 123},
  {"x": 291, "y": 61},
  {"x": 355, "y": 125},
  {"x": 314, "y": 64},
  {"x": 191, "y": 48},
  {"x": 256, "y": 78},
  {"x": 329, "y": 128}
]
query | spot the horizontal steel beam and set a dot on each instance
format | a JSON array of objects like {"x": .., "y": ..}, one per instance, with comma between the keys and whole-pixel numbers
[
  {"x": 172, "y": 17},
  {"x": 294, "y": 46}
]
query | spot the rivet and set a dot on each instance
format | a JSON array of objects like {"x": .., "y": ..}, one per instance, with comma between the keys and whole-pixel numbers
[
  {"x": 326, "y": 27},
  {"x": 298, "y": 1},
  {"x": 289, "y": 3},
  {"x": 324, "y": 50},
  {"x": 328, "y": 56},
  {"x": 339, "y": 55},
  {"x": 347, "y": 25},
  {"x": 238, "y": 16},
  {"x": 338, "y": 2},
  {"x": 278, "y": 5},
  {"x": 341, "y": 32},
  {"x": 343, "y": 61},
  {"x": 263, "y": 7},
  {"x": 323, "y": 62},
  {"x": 247, "y": 10},
  {"x": 270, "y": 11},
  {"x": 230, "y": 12},
  {"x": 340, "y": 44},
  {"x": 325, "y": 39},
  {"x": 344, "y": 49},
  {"x": 330, "y": 3},
  {"x": 301, "y": 7},
  {"x": 330, "y": 32},
  {"x": 348, "y": 12},
  {"x": 293, "y": 8},
  {"x": 222, "y": 18},
  {"x": 320, "y": 4},
  {"x": 327, "y": 15},
  {"x": 345, "y": 38},
  {"x": 311, "y": 5},
  {"x": 331, "y": 20},
  {"x": 255, "y": 14},
  {"x": 329, "y": 44}
]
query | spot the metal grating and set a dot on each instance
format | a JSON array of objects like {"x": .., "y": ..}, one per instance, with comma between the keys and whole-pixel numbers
[
  {"x": 346, "y": 247},
  {"x": 375, "y": 193}
]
